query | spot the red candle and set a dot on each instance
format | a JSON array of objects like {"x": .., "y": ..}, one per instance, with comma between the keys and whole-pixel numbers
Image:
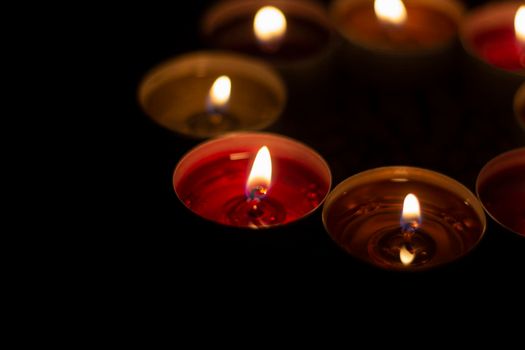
[
  {"x": 495, "y": 33},
  {"x": 501, "y": 188},
  {"x": 500, "y": 47},
  {"x": 252, "y": 180}
]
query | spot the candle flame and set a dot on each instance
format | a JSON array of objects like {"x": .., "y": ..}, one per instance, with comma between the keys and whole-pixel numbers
[
  {"x": 269, "y": 25},
  {"x": 220, "y": 92},
  {"x": 260, "y": 174},
  {"x": 411, "y": 215},
  {"x": 406, "y": 256},
  {"x": 519, "y": 24},
  {"x": 390, "y": 11}
]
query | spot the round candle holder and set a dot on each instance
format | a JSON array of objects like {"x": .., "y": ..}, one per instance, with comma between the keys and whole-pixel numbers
[
  {"x": 211, "y": 181},
  {"x": 418, "y": 51},
  {"x": 492, "y": 62},
  {"x": 363, "y": 216},
  {"x": 519, "y": 107},
  {"x": 501, "y": 189},
  {"x": 304, "y": 50},
  {"x": 178, "y": 94}
]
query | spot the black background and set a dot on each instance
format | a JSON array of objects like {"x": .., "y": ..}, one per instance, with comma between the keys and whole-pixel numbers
[{"x": 160, "y": 246}]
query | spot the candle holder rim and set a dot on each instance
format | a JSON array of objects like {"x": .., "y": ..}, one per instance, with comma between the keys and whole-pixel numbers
[
  {"x": 467, "y": 45},
  {"x": 219, "y": 138},
  {"x": 519, "y": 105},
  {"x": 478, "y": 183}
]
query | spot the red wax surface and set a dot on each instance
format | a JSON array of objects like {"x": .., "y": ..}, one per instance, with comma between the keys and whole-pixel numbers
[
  {"x": 210, "y": 185},
  {"x": 500, "y": 47},
  {"x": 503, "y": 195},
  {"x": 423, "y": 28}
]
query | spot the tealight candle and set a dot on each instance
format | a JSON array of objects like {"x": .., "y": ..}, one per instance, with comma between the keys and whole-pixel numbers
[
  {"x": 519, "y": 107},
  {"x": 206, "y": 94},
  {"x": 495, "y": 34},
  {"x": 252, "y": 180},
  {"x": 501, "y": 189},
  {"x": 403, "y": 218},
  {"x": 492, "y": 37},
  {"x": 295, "y": 36},
  {"x": 397, "y": 39}
]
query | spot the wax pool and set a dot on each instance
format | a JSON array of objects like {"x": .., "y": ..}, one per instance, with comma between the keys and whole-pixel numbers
[
  {"x": 214, "y": 188},
  {"x": 503, "y": 195},
  {"x": 424, "y": 28}
]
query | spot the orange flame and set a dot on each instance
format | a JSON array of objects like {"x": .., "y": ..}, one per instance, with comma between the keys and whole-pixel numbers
[
  {"x": 269, "y": 25},
  {"x": 411, "y": 215},
  {"x": 220, "y": 92},
  {"x": 260, "y": 175}
]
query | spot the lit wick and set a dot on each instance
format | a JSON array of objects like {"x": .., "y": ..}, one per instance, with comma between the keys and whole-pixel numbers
[
  {"x": 259, "y": 181},
  {"x": 410, "y": 221}
]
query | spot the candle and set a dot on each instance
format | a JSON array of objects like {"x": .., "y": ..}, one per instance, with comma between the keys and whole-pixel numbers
[
  {"x": 403, "y": 218},
  {"x": 397, "y": 41},
  {"x": 519, "y": 107},
  {"x": 205, "y": 94},
  {"x": 501, "y": 189},
  {"x": 252, "y": 180},
  {"x": 284, "y": 32},
  {"x": 495, "y": 34},
  {"x": 397, "y": 25}
]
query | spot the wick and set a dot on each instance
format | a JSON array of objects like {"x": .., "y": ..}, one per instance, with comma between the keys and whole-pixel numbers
[
  {"x": 409, "y": 229},
  {"x": 254, "y": 201},
  {"x": 258, "y": 192},
  {"x": 216, "y": 117}
]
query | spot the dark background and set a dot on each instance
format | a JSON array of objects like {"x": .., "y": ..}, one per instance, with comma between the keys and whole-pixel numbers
[{"x": 164, "y": 249}]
